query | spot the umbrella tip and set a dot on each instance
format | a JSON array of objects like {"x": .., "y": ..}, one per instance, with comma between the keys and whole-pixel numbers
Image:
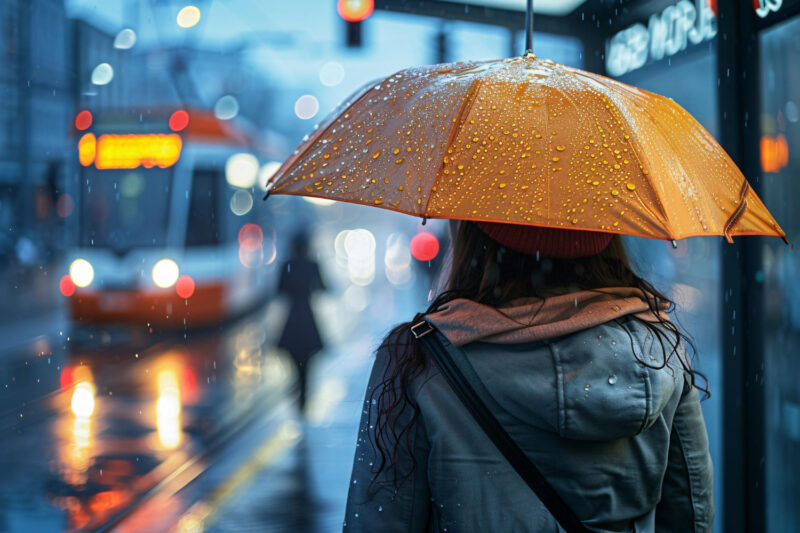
[{"x": 674, "y": 244}]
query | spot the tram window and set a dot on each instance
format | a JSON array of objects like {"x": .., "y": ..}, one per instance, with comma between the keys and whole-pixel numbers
[
  {"x": 203, "y": 228},
  {"x": 125, "y": 209}
]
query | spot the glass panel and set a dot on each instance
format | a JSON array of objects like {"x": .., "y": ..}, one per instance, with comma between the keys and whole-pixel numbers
[
  {"x": 780, "y": 148},
  {"x": 125, "y": 209},
  {"x": 690, "y": 273},
  {"x": 202, "y": 229}
]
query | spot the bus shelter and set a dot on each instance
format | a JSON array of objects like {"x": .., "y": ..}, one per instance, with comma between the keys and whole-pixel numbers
[{"x": 733, "y": 65}]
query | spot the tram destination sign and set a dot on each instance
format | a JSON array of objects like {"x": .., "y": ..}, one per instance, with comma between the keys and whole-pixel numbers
[{"x": 677, "y": 27}]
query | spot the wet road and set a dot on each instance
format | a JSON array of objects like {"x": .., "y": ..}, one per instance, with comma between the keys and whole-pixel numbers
[{"x": 115, "y": 430}]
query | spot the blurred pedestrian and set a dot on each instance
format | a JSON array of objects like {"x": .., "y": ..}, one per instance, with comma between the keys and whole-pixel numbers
[
  {"x": 300, "y": 278},
  {"x": 582, "y": 368}
]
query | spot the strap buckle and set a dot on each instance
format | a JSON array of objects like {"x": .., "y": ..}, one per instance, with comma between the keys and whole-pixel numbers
[{"x": 415, "y": 329}]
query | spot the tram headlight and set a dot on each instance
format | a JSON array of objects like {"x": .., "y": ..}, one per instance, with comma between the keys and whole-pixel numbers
[
  {"x": 81, "y": 272},
  {"x": 165, "y": 273}
]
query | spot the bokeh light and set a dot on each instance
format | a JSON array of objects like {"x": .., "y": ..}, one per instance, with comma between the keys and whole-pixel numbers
[
  {"x": 397, "y": 260},
  {"x": 66, "y": 286},
  {"x": 241, "y": 202},
  {"x": 102, "y": 74},
  {"x": 251, "y": 237},
  {"x": 165, "y": 273},
  {"x": 83, "y": 120},
  {"x": 227, "y": 107},
  {"x": 81, "y": 272},
  {"x": 184, "y": 287},
  {"x": 125, "y": 39},
  {"x": 188, "y": 17},
  {"x": 331, "y": 74},
  {"x": 82, "y": 403},
  {"x": 178, "y": 120},
  {"x": 241, "y": 170},
  {"x": 424, "y": 246},
  {"x": 359, "y": 244},
  {"x": 306, "y": 107}
]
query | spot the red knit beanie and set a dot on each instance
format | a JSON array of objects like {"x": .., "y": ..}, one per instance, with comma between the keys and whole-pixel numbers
[{"x": 555, "y": 243}]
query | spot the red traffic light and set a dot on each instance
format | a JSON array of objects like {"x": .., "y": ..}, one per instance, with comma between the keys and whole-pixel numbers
[{"x": 355, "y": 10}]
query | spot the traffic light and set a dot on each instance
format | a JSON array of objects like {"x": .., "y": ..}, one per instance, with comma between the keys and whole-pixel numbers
[{"x": 353, "y": 12}]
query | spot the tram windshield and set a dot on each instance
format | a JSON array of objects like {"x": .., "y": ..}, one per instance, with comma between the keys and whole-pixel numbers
[{"x": 125, "y": 209}]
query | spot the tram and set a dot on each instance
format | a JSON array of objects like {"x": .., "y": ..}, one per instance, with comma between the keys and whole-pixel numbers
[{"x": 164, "y": 220}]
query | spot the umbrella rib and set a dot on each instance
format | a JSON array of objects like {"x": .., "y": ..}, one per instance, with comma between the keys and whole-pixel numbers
[
  {"x": 662, "y": 216},
  {"x": 466, "y": 104}
]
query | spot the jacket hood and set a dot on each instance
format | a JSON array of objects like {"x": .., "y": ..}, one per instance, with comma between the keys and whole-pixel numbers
[
  {"x": 590, "y": 384},
  {"x": 530, "y": 319}
]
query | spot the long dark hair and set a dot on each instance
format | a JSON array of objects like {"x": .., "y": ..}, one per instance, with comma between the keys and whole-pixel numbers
[{"x": 486, "y": 272}]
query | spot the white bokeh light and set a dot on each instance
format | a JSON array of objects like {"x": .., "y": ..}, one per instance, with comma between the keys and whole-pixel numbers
[
  {"x": 241, "y": 202},
  {"x": 102, "y": 74},
  {"x": 227, "y": 107},
  {"x": 165, "y": 273},
  {"x": 331, "y": 74},
  {"x": 241, "y": 170},
  {"x": 81, "y": 272},
  {"x": 82, "y": 403},
  {"x": 125, "y": 39},
  {"x": 359, "y": 245},
  {"x": 188, "y": 17},
  {"x": 306, "y": 107}
]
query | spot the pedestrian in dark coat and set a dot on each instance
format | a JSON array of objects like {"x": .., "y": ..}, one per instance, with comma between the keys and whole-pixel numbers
[
  {"x": 300, "y": 278},
  {"x": 607, "y": 409}
]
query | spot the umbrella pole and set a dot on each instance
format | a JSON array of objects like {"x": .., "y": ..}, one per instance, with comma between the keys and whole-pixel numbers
[{"x": 529, "y": 28}]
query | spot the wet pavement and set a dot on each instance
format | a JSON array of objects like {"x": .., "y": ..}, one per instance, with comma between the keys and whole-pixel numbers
[{"x": 120, "y": 430}]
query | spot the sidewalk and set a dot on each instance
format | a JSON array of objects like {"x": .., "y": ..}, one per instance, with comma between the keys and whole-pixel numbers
[{"x": 304, "y": 489}]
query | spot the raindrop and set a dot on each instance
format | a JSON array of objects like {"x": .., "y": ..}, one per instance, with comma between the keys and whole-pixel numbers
[
  {"x": 587, "y": 387},
  {"x": 612, "y": 379}
]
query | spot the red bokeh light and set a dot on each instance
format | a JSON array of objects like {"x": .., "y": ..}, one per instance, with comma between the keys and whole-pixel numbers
[
  {"x": 178, "y": 120},
  {"x": 424, "y": 246},
  {"x": 83, "y": 120},
  {"x": 251, "y": 237},
  {"x": 185, "y": 287},
  {"x": 66, "y": 286},
  {"x": 355, "y": 10}
]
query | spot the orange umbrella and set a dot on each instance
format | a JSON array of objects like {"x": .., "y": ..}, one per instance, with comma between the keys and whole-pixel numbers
[{"x": 527, "y": 141}]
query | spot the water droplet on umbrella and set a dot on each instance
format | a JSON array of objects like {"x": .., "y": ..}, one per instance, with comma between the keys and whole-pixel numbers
[
  {"x": 612, "y": 379},
  {"x": 631, "y": 186}
]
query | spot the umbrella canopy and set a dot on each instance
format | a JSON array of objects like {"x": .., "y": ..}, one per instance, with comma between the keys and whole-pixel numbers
[{"x": 527, "y": 141}]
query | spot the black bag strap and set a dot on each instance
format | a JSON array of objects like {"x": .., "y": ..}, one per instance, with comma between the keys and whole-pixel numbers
[{"x": 447, "y": 358}]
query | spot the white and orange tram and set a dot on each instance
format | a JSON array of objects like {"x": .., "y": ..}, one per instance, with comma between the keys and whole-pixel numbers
[{"x": 166, "y": 230}]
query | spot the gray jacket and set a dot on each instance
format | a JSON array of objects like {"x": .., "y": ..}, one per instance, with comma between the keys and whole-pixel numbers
[{"x": 625, "y": 445}]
